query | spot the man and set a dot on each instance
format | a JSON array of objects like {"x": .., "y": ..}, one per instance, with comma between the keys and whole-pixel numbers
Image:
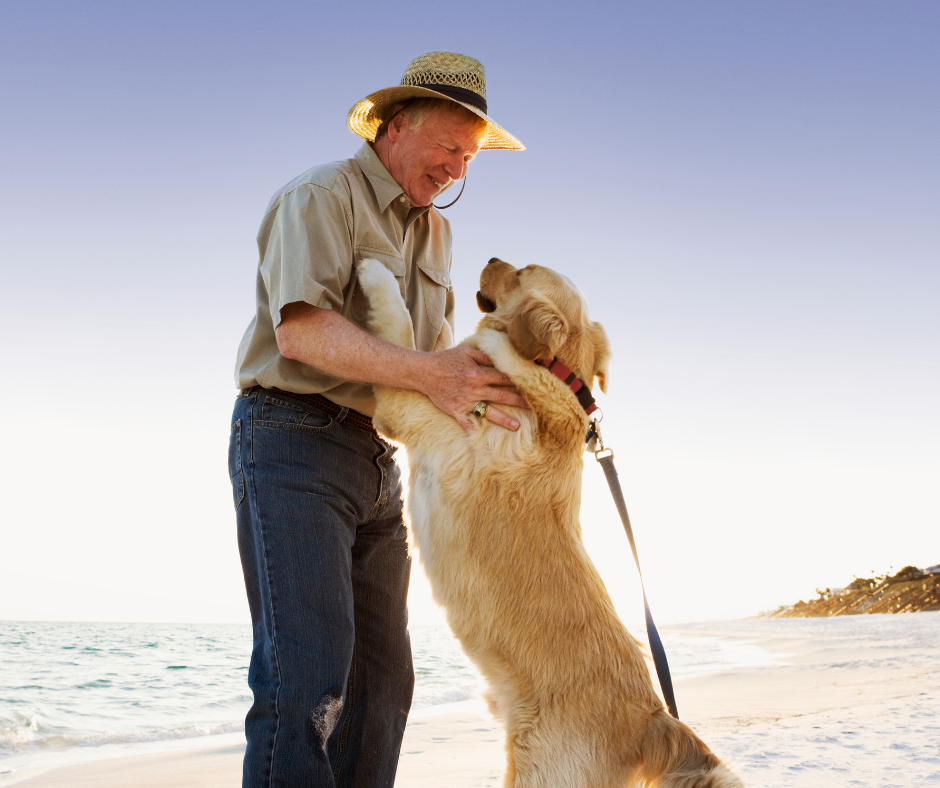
[{"x": 317, "y": 491}]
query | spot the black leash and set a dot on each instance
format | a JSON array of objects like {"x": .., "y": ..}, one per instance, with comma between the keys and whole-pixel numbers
[{"x": 596, "y": 444}]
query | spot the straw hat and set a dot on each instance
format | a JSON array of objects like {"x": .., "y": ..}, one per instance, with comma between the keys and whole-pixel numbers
[{"x": 443, "y": 75}]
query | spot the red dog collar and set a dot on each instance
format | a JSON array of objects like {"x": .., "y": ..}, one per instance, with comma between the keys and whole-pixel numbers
[{"x": 580, "y": 389}]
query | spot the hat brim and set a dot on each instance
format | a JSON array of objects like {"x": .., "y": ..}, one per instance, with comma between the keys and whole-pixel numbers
[{"x": 365, "y": 117}]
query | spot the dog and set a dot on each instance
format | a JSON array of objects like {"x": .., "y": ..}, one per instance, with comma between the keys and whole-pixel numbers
[{"x": 494, "y": 517}]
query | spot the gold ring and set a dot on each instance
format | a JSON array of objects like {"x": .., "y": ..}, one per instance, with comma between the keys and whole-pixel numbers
[{"x": 480, "y": 409}]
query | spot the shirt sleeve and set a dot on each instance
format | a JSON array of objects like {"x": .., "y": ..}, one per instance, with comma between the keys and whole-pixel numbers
[{"x": 309, "y": 253}]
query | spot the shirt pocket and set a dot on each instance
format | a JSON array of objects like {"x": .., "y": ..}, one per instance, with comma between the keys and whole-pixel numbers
[
  {"x": 356, "y": 308},
  {"x": 392, "y": 261},
  {"x": 434, "y": 285}
]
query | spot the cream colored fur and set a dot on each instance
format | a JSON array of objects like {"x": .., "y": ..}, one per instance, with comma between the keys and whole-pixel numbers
[{"x": 494, "y": 515}]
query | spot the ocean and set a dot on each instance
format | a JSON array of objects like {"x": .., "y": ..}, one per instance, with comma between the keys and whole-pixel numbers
[{"x": 82, "y": 691}]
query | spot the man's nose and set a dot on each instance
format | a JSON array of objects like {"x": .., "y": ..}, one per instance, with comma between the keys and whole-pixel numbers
[{"x": 455, "y": 169}]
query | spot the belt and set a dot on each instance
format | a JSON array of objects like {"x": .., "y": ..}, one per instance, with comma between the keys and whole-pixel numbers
[{"x": 353, "y": 417}]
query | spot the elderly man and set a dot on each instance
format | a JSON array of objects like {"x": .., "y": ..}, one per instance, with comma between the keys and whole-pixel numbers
[{"x": 317, "y": 492}]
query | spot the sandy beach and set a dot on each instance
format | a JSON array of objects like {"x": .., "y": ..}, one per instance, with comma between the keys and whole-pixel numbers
[{"x": 851, "y": 701}]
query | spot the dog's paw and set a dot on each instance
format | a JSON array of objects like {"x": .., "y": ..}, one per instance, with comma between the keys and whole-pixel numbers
[
  {"x": 501, "y": 352},
  {"x": 388, "y": 317}
]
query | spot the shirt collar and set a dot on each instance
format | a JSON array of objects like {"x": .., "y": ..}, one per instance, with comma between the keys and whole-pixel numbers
[{"x": 386, "y": 188}]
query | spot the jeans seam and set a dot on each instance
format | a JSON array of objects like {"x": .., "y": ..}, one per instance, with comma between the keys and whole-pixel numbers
[
  {"x": 267, "y": 574},
  {"x": 347, "y": 721}
]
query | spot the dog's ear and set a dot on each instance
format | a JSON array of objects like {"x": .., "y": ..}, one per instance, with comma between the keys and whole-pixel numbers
[
  {"x": 537, "y": 329},
  {"x": 601, "y": 354}
]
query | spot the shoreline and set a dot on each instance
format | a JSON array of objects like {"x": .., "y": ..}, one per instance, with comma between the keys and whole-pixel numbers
[{"x": 849, "y": 698}]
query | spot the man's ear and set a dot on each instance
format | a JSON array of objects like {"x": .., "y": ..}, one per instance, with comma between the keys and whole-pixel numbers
[
  {"x": 537, "y": 329},
  {"x": 396, "y": 124},
  {"x": 601, "y": 354}
]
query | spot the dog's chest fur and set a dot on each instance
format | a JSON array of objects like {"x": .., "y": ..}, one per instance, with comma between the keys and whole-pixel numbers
[{"x": 453, "y": 482}]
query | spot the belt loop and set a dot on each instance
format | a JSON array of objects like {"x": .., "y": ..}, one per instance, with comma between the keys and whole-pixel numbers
[{"x": 342, "y": 413}]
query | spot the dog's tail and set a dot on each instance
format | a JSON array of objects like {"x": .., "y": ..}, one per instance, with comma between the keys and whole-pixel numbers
[
  {"x": 388, "y": 316},
  {"x": 674, "y": 757}
]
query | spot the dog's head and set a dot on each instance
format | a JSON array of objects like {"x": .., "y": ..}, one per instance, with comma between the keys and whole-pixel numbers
[{"x": 544, "y": 315}]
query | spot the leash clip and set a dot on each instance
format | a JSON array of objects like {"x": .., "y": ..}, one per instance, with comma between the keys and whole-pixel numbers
[{"x": 595, "y": 441}]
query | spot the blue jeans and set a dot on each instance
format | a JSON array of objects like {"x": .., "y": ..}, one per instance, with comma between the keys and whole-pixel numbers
[{"x": 324, "y": 554}]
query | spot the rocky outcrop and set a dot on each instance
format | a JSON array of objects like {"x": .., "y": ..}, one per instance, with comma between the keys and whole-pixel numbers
[{"x": 909, "y": 591}]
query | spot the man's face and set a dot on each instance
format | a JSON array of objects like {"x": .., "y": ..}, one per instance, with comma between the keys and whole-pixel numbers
[{"x": 425, "y": 160}]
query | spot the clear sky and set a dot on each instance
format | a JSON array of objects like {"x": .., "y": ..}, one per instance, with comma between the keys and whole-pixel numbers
[{"x": 747, "y": 193}]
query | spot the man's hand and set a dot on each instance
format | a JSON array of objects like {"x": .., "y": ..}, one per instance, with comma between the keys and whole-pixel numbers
[
  {"x": 461, "y": 377},
  {"x": 454, "y": 380}
]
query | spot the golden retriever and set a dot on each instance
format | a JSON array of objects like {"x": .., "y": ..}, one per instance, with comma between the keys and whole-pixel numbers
[{"x": 494, "y": 515}]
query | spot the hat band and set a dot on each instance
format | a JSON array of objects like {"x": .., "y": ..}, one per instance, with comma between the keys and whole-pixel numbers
[{"x": 459, "y": 94}]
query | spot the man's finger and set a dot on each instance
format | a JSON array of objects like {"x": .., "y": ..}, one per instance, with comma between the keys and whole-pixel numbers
[
  {"x": 501, "y": 419},
  {"x": 493, "y": 377},
  {"x": 506, "y": 397},
  {"x": 479, "y": 356},
  {"x": 466, "y": 422}
]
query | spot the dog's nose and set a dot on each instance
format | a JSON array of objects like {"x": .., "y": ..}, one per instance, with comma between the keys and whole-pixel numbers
[{"x": 493, "y": 260}]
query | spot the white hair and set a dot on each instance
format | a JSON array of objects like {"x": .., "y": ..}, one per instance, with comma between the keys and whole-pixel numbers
[{"x": 419, "y": 109}]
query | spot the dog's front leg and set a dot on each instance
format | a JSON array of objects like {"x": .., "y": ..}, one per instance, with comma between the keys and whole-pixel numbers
[
  {"x": 404, "y": 416},
  {"x": 561, "y": 419},
  {"x": 388, "y": 316},
  {"x": 411, "y": 419}
]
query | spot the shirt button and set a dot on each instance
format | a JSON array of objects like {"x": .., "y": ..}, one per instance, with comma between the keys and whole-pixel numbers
[{"x": 402, "y": 199}]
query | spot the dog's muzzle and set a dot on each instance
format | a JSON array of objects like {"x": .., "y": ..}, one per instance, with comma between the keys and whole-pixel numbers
[{"x": 484, "y": 303}]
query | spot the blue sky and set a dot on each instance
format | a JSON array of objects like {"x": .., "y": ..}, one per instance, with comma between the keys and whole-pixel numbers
[{"x": 747, "y": 193}]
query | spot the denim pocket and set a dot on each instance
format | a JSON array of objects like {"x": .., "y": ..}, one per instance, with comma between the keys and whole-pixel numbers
[
  {"x": 235, "y": 463},
  {"x": 293, "y": 414}
]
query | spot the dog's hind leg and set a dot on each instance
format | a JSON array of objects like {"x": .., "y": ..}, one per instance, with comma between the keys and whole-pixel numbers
[
  {"x": 674, "y": 757},
  {"x": 509, "y": 775},
  {"x": 388, "y": 316},
  {"x": 538, "y": 759}
]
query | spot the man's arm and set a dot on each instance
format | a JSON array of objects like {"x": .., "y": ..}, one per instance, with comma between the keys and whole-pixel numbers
[{"x": 454, "y": 380}]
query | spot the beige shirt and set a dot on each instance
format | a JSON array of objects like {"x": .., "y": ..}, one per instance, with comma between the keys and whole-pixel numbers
[{"x": 313, "y": 232}]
